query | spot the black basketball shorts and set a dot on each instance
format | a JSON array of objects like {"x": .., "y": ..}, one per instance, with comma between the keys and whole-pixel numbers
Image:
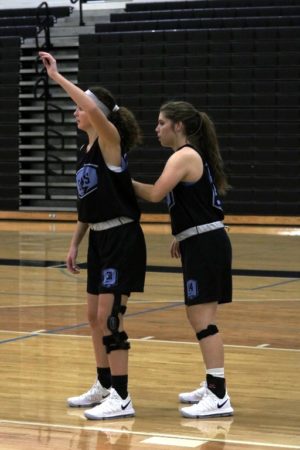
[
  {"x": 206, "y": 262},
  {"x": 116, "y": 260}
]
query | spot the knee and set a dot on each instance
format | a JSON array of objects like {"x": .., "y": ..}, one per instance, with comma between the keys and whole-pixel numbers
[
  {"x": 93, "y": 320},
  {"x": 102, "y": 323}
]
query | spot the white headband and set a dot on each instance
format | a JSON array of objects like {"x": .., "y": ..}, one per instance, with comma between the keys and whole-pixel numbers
[{"x": 106, "y": 111}]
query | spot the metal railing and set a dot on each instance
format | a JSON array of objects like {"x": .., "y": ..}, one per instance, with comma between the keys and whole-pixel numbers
[
  {"x": 44, "y": 21},
  {"x": 81, "y": 22},
  {"x": 41, "y": 91}
]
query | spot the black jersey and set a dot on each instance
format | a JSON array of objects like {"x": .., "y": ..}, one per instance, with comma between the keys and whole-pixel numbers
[
  {"x": 192, "y": 204},
  {"x": 103, "y": 194}
]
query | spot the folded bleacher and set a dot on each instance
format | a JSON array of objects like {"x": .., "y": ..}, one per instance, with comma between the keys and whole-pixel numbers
[
  {"x": 28, "y": 22},
  {"x": 16, "y": 25},
  {"x": 239, "y": 61},
  {"x": 9, "y": 153}
]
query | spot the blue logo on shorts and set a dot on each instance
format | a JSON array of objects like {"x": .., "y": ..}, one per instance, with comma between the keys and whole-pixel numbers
[
  {"x": 192, "y": 289},
  {"x": 109, "y": 278}
]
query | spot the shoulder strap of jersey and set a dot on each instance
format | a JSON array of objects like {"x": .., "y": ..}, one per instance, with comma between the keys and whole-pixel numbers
[{"x": 188, "y": 145}]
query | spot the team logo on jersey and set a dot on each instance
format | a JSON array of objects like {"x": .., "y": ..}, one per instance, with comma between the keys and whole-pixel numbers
[
  {"x": 109, "y": 278},
  {"x": 192, "y": 289},
  {"x": 86, "y": 180}
]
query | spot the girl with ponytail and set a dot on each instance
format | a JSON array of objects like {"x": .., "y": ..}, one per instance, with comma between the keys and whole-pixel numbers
[
  {"x": 116, "y": 259},
  {"x": 192, "y": 181}
]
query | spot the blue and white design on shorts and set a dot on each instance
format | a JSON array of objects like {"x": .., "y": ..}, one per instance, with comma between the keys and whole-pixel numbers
[
  {"x": 109, "y": 278},
  {"x": 86, "y": 180},
  {"x": 192, "y": 289}
]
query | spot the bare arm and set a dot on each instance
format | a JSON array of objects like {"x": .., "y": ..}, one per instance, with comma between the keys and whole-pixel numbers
[
  {"x": 181, "y": 166},
  {"x": 105, "y": 129},
  {"x": 77, "y": 237}
]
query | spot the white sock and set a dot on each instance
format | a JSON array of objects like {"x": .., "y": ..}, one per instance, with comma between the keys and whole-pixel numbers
[{"x": 216, "y": 372}]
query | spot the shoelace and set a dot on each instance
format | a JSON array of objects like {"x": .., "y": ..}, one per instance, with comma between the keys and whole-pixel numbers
[{"x": 206, "y": 401}]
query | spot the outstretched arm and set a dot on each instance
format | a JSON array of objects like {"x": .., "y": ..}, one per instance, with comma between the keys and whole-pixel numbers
[
  {"x": 145, "y": 191},
  {"x": 179, "y": 167},
  {"x": 104, "y": 127}
]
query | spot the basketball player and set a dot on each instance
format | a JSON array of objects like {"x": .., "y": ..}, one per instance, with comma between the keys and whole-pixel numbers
[
  {"x": 192, "y": 180},
  {"x": 116, "y": 259}
]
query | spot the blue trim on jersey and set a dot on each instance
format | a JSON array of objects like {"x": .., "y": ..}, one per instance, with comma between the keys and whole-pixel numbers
[
  {"x": 124, "y": 162},
  {"x": 170, "y": 199},
  {"x": 216, "y": 202}
]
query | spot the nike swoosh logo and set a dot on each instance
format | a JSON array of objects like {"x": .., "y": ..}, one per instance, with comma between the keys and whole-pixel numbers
[
  {"x": 125, "y": 406},
  {"x": 222, "y": 404}
]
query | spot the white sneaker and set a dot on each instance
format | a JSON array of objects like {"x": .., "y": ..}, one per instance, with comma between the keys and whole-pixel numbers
[
  {"x": 209, "y": 406},
  {"x": 194, "y": 396},
  {"x": 94, "y": 396},
  {"x": 113, "y": 408}
]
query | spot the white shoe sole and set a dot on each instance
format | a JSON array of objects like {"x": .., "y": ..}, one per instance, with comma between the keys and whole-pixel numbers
[{"x": 116, "y": 416}]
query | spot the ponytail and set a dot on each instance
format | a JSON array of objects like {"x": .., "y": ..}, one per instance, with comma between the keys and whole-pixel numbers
[
  {"x": 123, "y": 119},
  {"x": 200, "y": 132},
  {"x": 209, "y": 143}
]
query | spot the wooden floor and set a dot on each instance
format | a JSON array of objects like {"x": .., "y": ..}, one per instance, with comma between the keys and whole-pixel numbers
[{"x": 46, "y": 352}]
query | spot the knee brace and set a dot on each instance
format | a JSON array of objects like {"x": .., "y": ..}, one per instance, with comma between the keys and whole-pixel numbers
[
  {"x": 116, "y": 341},
  {"x": 113, "y": 321},
  {"x": 123, "y": 309},
  {"x": 209, "y": 331}
]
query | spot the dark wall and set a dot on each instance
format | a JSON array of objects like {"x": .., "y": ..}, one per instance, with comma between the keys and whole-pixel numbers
[{"x": 241, "y": 65}]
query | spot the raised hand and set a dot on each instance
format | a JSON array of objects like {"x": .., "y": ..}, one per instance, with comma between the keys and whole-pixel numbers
[{"x": 49, "y": 63}]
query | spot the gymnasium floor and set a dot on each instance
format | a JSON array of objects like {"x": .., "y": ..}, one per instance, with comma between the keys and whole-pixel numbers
[{"x": 46, "y": 350}]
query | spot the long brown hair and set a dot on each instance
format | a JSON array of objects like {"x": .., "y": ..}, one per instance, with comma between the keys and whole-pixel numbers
[
  {"x": 123, "y": 119},
  {"x": 200, "y": 132}
]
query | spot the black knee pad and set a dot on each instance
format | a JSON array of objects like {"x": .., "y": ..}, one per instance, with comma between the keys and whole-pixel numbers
[
  {"x": 209, "y": 331},
  {"x": 116, "y": 341}
]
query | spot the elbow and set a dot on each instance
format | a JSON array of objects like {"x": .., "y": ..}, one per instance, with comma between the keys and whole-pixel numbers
[{"x": 156, "y": 198}]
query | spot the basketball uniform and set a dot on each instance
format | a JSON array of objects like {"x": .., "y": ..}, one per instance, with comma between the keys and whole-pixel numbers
[
  {"x": 196, "y": 214},
  {"x": 116, "y": 255}
]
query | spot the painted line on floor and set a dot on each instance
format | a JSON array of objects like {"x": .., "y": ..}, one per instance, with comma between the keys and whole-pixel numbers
[
  {"x": 145, "y": 339},
  {"x": 144, "y": 433}
]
